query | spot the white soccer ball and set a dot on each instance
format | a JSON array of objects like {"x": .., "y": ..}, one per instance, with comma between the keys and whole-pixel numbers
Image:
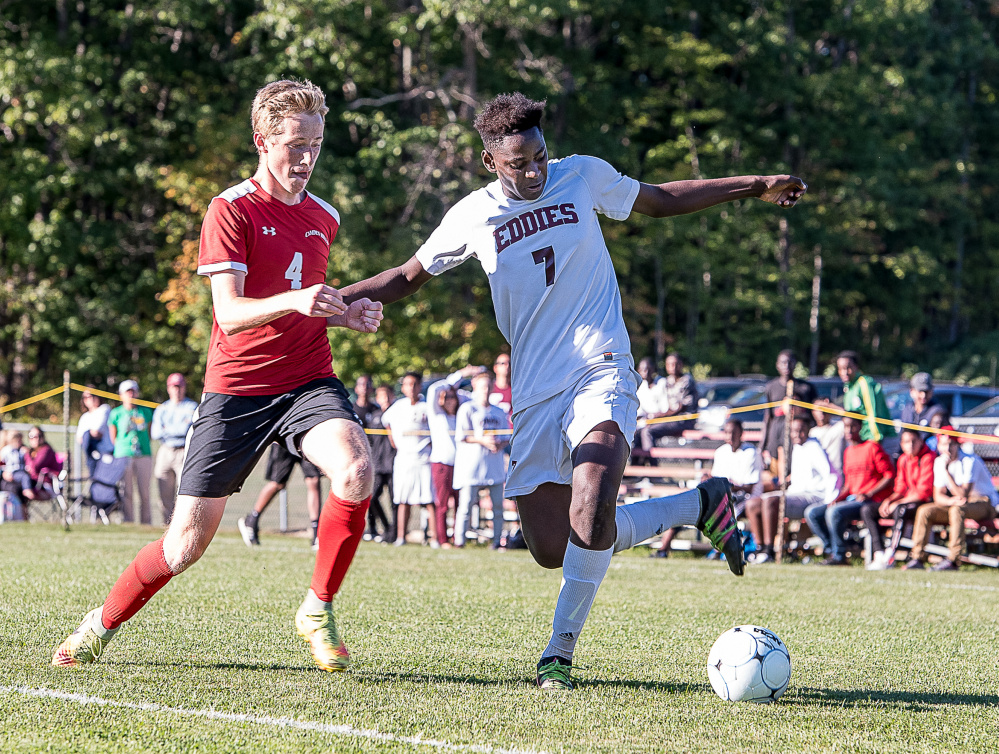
[{"x": 749, "y": 664}]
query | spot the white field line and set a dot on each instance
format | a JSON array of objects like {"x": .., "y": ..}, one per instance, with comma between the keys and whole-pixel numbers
[{"x": 266, "y": 720}]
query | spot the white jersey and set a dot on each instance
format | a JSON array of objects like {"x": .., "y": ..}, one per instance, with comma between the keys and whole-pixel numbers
[{"x": 553, "y": 285}]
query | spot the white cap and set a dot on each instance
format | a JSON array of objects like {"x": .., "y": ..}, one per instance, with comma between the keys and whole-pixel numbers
[{"x": 128, "y": 385}]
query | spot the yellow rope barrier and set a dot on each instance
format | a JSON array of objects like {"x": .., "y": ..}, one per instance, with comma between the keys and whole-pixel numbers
[{"x": 828, "y": 409}]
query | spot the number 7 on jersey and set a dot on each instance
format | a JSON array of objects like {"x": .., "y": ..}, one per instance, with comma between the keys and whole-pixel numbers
[{"x": 546, "y": 255}]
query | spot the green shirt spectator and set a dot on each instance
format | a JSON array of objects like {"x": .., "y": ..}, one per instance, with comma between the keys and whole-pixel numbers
[
  {"x": 129, "y": 426},
  {"x": 863, "y": 395}
]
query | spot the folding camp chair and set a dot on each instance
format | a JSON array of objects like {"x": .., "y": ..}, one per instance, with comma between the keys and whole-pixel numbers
[
  {"x": 45, "y": 501},
  {"x": 104, "y": 494}
]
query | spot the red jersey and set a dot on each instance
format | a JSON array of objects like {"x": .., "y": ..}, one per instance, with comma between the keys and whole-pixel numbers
[
  {"x": 915, "y": 474},
  {"x": 280, "y": 248},
  {"x": 864, "y": 465}
]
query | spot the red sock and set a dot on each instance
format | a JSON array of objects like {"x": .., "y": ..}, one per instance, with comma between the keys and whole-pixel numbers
[
  {"x": 340, "y": 528},
  {"x": 145, "y": 576}
]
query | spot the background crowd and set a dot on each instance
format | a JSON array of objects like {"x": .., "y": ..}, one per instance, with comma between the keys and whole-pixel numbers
[{"x": 443, "y": 454}]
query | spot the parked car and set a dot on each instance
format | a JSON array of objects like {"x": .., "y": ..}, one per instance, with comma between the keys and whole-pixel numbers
[
  {"x": 720, "y": 389},
  {"x": 982, "y": 420},
  {"x": 714, "y": 415}
]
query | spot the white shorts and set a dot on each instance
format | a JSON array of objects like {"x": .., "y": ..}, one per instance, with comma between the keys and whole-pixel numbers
[
  {"x": 546, "y": 434},
  {"x": 411, "y": 483}
]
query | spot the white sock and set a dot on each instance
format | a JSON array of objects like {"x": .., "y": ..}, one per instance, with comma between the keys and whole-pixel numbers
[
  {"x": 313, "y": 604},
  {"x": 636, "y": 522},
  {"x": 582, "y": 572}
]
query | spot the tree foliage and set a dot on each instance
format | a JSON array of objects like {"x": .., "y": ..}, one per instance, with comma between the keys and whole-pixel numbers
[{"x": 120, "y": 121}]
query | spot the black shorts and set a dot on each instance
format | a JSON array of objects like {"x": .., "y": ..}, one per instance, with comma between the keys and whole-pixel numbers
[
  {"x": 231, "y": 432},
  {"x": 280, "y": 464}
]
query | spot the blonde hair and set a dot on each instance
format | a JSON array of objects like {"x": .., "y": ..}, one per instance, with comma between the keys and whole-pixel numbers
[{"x": 279, "y": 99}]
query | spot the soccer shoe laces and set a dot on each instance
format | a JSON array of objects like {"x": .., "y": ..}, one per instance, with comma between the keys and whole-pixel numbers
[
  {"x": 718, "y": 523},
  {"x": 319, "y": 630},
  {"x": 553, "y": 673}
]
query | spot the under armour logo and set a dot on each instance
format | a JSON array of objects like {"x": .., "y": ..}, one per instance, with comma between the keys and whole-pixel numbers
[{"x": 271, "y": 231}]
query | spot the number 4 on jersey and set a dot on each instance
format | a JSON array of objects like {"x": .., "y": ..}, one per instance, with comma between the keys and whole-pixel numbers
[
  {"x": 294, "y": 271},
  {"x": 546, "y": 255}
]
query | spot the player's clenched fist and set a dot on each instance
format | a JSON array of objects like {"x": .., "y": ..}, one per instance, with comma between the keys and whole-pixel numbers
[
  {"x": 363, "y": 315},
  {"x": 783, "y": 190},
  {"x": 320, "y": 300}
]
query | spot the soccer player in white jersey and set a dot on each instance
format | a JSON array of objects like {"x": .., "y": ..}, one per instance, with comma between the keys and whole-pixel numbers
[{"x": 535, "y": 232}]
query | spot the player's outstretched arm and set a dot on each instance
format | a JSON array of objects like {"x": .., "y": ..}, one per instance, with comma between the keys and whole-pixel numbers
[
  {"x": 235, "y": 312},
  {"x": 389, "y": 286},
  {"x": 363, "y": 315},
  {"x": 684, "y": 197}
]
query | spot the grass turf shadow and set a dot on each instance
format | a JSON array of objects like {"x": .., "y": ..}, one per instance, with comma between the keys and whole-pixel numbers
[{"x": 916, "y": 701}]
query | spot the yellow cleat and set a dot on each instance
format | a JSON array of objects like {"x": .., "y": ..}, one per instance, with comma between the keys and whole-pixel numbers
[
  {"x": 319, "y": 630},
  {"x": 85, "y": 645}
]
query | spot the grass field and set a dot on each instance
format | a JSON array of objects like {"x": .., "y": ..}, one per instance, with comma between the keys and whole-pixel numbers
[{"x": 445, "y": 644}]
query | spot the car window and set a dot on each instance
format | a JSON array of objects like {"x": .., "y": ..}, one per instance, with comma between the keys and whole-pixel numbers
[{"x": 969, "y": 402}]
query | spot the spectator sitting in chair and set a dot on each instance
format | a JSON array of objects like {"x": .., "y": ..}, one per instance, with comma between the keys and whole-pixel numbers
[
  {"x": 962, "y": 488},
  {"x": 812, "y": 480},
  {"x": 937, "y": 421},
  {"x": 15, "y": 477},
  {"x": 913, "y": 488},
  {"x": 41, "y": 463},
  {"x": 868, "y": 475}
]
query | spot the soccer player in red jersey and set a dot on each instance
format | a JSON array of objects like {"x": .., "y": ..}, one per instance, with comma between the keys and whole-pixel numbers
[{"x": 265, "y": 246}]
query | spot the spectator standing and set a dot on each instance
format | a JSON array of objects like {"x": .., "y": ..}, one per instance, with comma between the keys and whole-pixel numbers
[
  {"x": 171, "y": 421},
  {"x": 383, "y": 457},
  {"x": 962, "y": 488},
  {"x": 443, "y": 400},
  {"x": 772, "y": 434},
  {"x": 868, "y": 475},
  {"x": 480, "y": 438},
  {"x": 502, "y": 391},
  {"x": 863, "y": 395},
  {"x": 128, "y": 428},
  {"x": 913, "y": 488},
  {"x": 409, "y": 430},
  {"x": 938, "y": 420},
  {"x": 924, "y": 406},
  {"x": 652, "y": 401},
  {"x": 680, "y": 397},
  {"x": 829, "y": 433},
  {"x": 280, "y": 463},
  {"x": 92, "y": 430},
  {"x": 812, "y": 480},
  {"x": 370, "y": 414}
]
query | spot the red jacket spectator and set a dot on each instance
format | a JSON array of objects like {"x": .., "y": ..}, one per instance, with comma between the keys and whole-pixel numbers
[
  {"x": 915, "y": 474},
  {"x": 865, "y": 465}
]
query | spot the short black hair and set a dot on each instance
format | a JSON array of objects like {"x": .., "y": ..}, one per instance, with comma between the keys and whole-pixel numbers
[
  {"x": 851, "y": 355},
  {"x": 415, "y": 375},
  {"x": 735, "y": 423},
  {"x": 508, "y": 114},
  {"x": 914, "y": 432}
]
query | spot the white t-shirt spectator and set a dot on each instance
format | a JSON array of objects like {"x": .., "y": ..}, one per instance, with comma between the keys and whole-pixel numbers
[
  {"x": 812, "y": 473},
  {"x": 474, "y": 464},
  {"x": 96, "y": 420},
  {"x": 830, "y": 437},
  {"x": 408, "y": 426},
  {"x": 442, "y": 423},
  {"x": 652, "y": 399},
  {"x": 742, "y": 466},
  {"x": 966, "y": 468}
]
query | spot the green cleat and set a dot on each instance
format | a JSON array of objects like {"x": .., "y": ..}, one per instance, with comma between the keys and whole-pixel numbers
[
  {"x": 86, "y": 644},
  {"x": 319, "y": 630},
  {"x": 553, "y": 674},
  {"x": 717, "y": 521}
]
